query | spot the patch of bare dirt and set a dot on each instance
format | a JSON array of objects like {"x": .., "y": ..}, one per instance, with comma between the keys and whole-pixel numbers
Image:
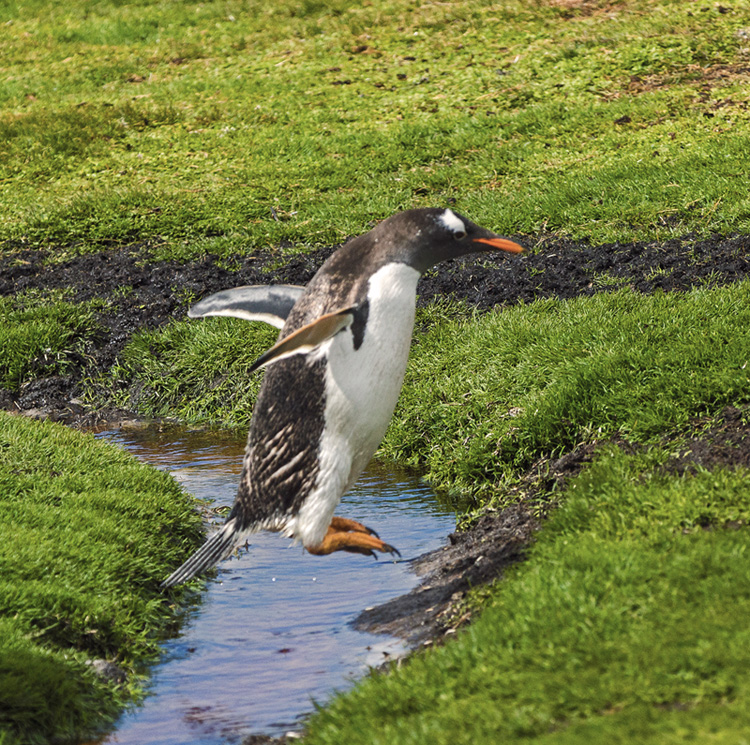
[
  {"x": 723, "y": 441},
  {"x": 705, "y": 78},
  {"x": 572, "y": 9},
  {"x": 472, "y": 558},
  {"x": 705, "y": 81}
]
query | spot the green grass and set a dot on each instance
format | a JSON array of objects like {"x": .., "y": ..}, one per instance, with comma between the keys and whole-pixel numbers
[
  {"x": 41, "y": 336},
  {"x": 626, "y": 624},
  {"x": 627, "y": 621},
  {"x": 186, "y": 124},
  {"x": 509, "y": 386},
  {"x": 87, "y": 533},
  {"x": 195, "y": 371},
  {"x": 536, "y": 380}
]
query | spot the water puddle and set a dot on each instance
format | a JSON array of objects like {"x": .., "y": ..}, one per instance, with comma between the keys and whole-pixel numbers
[{"x": 273, "y": 633}]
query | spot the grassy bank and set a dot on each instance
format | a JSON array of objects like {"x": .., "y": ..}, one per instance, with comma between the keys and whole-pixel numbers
[
  {"x": 86, "y": 535},
  {"x": 626, "y": 624},
  {"x": 43, "y": 335},
  {"x": 537, "y": 380},
  {"x": 510, "y": 387},
  {"x": 196, "y": 372}
]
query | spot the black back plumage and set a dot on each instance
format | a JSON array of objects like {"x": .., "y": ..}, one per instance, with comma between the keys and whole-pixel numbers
[{"x": 281, "y": 459}]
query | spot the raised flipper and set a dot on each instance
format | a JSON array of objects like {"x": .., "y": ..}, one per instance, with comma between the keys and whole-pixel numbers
[
  {"x": 268, "y": 303},
  {"x": 305, "y": 339}
]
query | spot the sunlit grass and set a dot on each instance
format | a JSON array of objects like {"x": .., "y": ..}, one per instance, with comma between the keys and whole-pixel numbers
[
  {"x": 626, "y": 624},
  {"x": 196, "y": 371},
  {"x": 87, "y": 533},
  {"x": 182, "y": 122},
  {"x": 537, "y": 380}
]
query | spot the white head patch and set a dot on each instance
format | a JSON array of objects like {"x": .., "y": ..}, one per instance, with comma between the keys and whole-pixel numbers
[{"x": 452, "y": 222}]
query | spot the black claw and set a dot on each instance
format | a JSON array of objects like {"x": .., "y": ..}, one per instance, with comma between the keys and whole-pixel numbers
[
  {"x": 392, "y": 550},
  {"x": 372, "y": 532}
]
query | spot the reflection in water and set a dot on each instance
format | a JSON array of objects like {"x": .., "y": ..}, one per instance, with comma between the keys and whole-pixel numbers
[{"x": 272, "y": 633}]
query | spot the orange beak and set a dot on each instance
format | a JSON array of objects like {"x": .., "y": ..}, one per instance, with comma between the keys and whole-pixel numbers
[{"x": 502, "y": 244}]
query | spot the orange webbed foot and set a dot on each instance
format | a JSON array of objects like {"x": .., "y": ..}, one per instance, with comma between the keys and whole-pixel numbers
[{"x": 345, "y": 534}]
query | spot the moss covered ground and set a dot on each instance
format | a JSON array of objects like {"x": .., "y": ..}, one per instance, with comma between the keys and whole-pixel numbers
[
  {"x": 87, "y": 533},
  {"x": 226, "y": 125}
]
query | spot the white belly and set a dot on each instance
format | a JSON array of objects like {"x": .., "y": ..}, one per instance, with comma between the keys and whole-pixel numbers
[{"x": 362, "y": 387}]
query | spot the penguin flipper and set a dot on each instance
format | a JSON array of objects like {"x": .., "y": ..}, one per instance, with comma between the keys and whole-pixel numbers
[
  {"x": 216, "y": 548},
  {"x": 268, "y": 303},
  {"x": 307, "y": 338}
]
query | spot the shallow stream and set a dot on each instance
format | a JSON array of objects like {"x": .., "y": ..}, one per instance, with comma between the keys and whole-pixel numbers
[{"x": 273, "y": 631}]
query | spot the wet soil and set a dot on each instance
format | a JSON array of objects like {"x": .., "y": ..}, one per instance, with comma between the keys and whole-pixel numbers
[
  {"x": 554, "y": 267},
  {"x": 722, "y": 441},
  {"x": 471, "y": 559}
]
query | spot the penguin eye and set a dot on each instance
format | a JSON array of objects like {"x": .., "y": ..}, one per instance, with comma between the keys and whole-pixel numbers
[{"x": 459, "y": 235}]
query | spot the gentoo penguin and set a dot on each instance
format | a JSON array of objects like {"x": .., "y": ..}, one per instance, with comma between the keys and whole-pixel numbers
[{"x": 333, "y": 380}]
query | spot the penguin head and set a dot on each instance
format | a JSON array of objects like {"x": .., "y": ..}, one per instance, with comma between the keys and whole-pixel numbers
[{"x": 424, "y": 237}]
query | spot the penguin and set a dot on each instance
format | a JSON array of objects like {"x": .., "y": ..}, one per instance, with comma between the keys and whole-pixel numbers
[{"x": 332, "y": 382}]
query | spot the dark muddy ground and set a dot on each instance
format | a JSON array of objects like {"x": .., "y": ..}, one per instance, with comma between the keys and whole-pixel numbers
[{"x": 553, "y": 267}]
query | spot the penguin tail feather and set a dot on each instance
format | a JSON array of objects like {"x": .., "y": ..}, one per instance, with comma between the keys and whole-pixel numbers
[{"x": 217, "y": 547}]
